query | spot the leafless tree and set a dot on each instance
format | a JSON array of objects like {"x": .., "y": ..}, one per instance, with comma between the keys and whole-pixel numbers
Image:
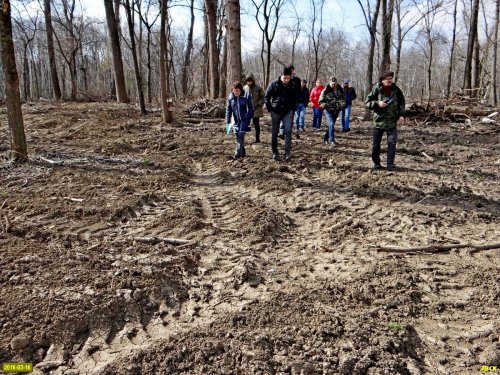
[
  {"x": 495, "y": 51},
  {"x": 186, "y": 68},
  {"x": 13, "y": 98},
  {"x": 213, "y": 52},
  {"x": 49, "y": 32},
  {"x": 467, "y": 83},
  {"x": 164, "y": 76},
  {"x": 371, "y": 19},
  {"x": 267, "y": 14},
  {"x": 129, "y": 12},
  {"x": 233, "y": 33},
  {"x": 116, "y": 52},
  {"x": 452, "y": 50},
  {"x": 387, "y": 13}
]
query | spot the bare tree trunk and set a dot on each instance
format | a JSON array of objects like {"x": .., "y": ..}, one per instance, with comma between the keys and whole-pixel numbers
[
  {"x": 316, "y": 37},
  {"x": 133, "y": 48},
  {"x": 387, "y": 12},
  {"x": 116, "y": 52},
  {"x": 26, "y": 74},
  {"x": 13, "y": 98},
  {"x": 495, "y": 51},
  {"x": 166, "y": 113},
  {"x": 223, "y": 67},
  {"x": 371, "y": 24},
  {"x": 49, "y": 30},
  {"x": 233, "y": 33},
  {"x": 476, "y": 88},
  {"x": 186, "y": 69},
  {"x": 213, "y": 53},
  {"x": 450, "y": 66},
  {"x": 467, "y": 86}
]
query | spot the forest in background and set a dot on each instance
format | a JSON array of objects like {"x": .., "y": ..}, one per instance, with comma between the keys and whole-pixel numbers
[{"x": 436, "y": 47}]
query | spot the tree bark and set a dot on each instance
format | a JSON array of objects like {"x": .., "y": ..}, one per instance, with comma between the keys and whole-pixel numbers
[
  {"x": 213, "y": 53},
  {"x": 116, "y": 52},
  {"x": 133, "y": 48},
  {"x": 387, "y": 12},
  {"x": 166, "y": 113},
  {"x": 233, "y": 40},
  {"x": 13, "y": 98},
  {"x": 49, "y": 32},
  {"x": 495, "y": 51},
  {"x": 371, "y": 24},
  {"x": 467, "y": 86},
  {"x": 186, "y": 68},
  {"x": 450, "y": 66}
]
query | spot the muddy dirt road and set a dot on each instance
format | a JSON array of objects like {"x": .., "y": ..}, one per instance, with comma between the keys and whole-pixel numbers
[{"x": 129, "y": 247}]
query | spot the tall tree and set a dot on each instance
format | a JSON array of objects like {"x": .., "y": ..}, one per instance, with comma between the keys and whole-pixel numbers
[
  {"x": 133, "y": 49},
  {"x": 116, "y": 52},
  {"x": 213, "y": 52},
  {"x": 186, "y": 67},
  {"x": 316, "y": 32},
  {"x": 233, "y": 40},
  {"x": 387, "y": 12},
  {"x": 267, "y": 14},
  {"x": 467, "y": 84},
  {"x": 452, "y": 51},
  {"x": 371, "y": 24},
  {"x": 495, "y": 51},
  {"x": 49, "y": 34},
  {"x": 13, "y": 98},
  {"x": 164, "y": 76}
]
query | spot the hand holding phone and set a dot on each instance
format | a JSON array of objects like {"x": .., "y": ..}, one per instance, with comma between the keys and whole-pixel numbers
[{"x": 388, "y": 100}]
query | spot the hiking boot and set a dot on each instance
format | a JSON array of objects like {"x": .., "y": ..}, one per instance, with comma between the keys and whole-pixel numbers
[
  {"x": 376, "y": 167},
  {"x": 276, "y": 157},
  {"x": 256, "y": 142},
  {"x": 288, "y": 157},
  {"x": 391, "y": 167}
]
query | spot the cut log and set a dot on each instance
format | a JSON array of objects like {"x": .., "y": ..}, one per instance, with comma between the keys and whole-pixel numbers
[
  {"x": 475, "y": 111},
  {"x": 436, "y": 248}
]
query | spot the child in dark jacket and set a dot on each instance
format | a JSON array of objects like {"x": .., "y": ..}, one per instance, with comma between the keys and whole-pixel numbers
[{"x": 240, "y": 109}]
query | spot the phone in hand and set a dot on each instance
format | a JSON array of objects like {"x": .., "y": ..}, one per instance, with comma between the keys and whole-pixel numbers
[{"x": 388, "y": 100}]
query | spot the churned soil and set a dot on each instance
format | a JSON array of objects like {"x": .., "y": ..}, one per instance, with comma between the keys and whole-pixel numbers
[{"x": 133, "y": 247}]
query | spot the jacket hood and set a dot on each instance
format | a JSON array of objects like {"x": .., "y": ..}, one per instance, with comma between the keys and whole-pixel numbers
[{"x": 249, "y": 77}]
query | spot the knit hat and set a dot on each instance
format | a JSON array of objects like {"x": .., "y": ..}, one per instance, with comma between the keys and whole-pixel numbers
[
  {"x": 346, "y": 82},
  {"x": 249, "y": 77}
]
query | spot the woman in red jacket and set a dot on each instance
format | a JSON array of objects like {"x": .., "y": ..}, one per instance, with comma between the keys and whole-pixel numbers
[{"x": 317, "y": 109}]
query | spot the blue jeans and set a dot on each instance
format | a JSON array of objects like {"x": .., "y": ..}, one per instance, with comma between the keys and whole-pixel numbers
[
  {"x": 346, "y": 117},
  {"x": 392, "y": 138},
  {"x": 330, "y": 133},
  {"x": 240, "y": 144},
  {"x": 286, "y": 118},
  {"x": 318, "y": 115},
  {"x": 300, "y": 116}
]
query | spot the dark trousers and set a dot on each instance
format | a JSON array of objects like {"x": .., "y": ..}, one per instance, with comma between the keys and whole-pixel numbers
[
  {"x": 392, "y": 137},
  {"x": 256, "y": 125}
]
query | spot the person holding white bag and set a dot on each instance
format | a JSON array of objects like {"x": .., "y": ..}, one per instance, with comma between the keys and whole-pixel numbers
[{"x": 240, "y": 109}]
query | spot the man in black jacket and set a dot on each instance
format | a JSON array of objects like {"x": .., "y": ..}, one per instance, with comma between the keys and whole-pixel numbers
[{"x": 281, "y": 102}]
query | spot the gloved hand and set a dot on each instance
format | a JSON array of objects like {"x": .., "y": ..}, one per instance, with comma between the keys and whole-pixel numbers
[{"x": 229, "y": 127}]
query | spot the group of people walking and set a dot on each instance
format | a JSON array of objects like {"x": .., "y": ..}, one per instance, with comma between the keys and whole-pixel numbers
[{"x": 288, "y": 97}]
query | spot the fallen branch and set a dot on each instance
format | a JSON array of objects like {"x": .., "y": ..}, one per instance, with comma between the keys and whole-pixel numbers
[
  {"x": 435, "y": 248},
  {"x": 428, "y": 157},
  {"x": 52, "y": 162},
  {"x": 155, "y": 240},
  {"x": 341, "y": 224}
]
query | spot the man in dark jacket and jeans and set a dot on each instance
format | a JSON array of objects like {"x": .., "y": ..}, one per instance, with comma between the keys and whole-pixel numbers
[
  {"x": 388, "y": 102},
  {"x": 281, "y": 102}
]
